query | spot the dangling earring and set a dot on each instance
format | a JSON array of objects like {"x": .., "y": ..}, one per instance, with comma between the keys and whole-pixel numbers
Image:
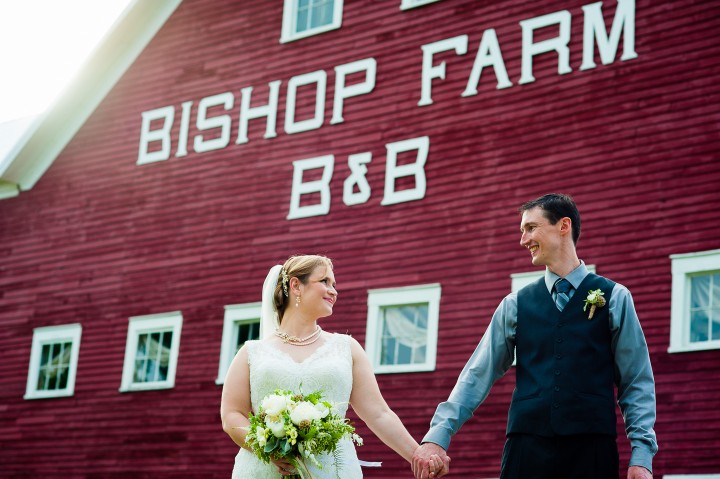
[{"x": 297, "y": 301}]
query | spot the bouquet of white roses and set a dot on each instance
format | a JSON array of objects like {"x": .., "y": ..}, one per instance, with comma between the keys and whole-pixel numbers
[{"x": 297, "y": 427}]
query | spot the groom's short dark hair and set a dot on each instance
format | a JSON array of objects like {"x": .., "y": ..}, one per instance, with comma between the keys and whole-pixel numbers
[{"x": 557, "y": 206}]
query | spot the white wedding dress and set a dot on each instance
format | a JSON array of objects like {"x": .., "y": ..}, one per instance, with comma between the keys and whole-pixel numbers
[{"x": 328, "y": 369}]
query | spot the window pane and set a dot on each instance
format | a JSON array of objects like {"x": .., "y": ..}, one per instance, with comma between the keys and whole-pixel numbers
[
  {"x": 404, "y": 355},
  {"x": 139, "y": 375},
  {"x": 63, "y": 377},
  {"x": 699, "y": 292},
  {"x": 153, "y": 357},
  {"x": 716, "y": 290},
  {"x": 42, "y": 380},
  {"x": 167, "y": 340},
  {"x": 387, "y": 354},
  {"x": 715, "y": 324},
  {"x": 45, "y": 355},
  {"x": 54, "y": 365},
  {"x": 247, "y": 332},
  {"x": 404, "y": 334},
  {"x": 698, "y": 326},
  {"x": 303, "y": 3},
  {"x": 322, "y": 13},
  {"x": 141, "y": 347},
  {"x": 302, "y": 20}
]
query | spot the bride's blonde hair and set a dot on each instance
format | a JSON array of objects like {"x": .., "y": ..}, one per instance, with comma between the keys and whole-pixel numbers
[{"x": 300, "y": 267}]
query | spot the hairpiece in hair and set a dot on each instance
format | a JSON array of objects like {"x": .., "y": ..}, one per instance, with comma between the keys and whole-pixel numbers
[{"x": 284, "y": 275}]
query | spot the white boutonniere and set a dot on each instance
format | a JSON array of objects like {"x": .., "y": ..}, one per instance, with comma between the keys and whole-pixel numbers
[{"x": 594, "y": 300}]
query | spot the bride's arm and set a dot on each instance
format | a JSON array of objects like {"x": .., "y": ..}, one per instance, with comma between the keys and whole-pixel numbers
[
  {"x": 235, "y": 405},
  {"x": 370, "y": 406}
]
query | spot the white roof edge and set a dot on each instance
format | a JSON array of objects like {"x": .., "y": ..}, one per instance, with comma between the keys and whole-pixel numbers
[{"x": 47, "y": 137}]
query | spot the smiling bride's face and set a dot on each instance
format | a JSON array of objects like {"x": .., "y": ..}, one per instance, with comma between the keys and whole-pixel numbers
[{"x": 319, "y": 294}]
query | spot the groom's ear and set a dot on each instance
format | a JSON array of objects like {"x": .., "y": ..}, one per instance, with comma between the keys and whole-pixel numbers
[{"x": 565, "y": 226}]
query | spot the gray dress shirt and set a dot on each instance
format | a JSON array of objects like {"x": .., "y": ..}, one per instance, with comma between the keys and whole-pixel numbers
[{"x": 494, "y": 355}]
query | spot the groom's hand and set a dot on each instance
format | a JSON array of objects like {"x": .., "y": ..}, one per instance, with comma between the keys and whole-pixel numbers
[
  {"x": 639, "y": 472},
  {"x": 425, "y": 456}
]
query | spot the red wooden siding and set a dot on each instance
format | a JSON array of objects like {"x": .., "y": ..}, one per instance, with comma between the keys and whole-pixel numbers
[{"x": 100, "y": 239}]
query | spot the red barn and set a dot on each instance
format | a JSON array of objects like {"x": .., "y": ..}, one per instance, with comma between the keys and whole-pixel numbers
[{"x": 207, "y": 141}]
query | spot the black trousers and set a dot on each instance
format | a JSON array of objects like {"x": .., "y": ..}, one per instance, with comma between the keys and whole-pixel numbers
[{"x": 564, "y": 457}]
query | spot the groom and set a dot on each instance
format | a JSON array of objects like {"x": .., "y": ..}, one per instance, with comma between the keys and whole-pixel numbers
[{"x": 575, "y": 335}]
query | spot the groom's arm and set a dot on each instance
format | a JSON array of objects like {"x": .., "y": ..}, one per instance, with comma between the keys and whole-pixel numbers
[
  {"x": 634, "y": 377},
  {"x": 493, "y": 356}
]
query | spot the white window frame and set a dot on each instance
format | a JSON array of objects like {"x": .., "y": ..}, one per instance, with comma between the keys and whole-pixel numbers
[
  {"x": 235, "y": 315},
  {"x": 407, "y": 295},
  {"x": 684, "y": 266},
  {"x": 290, "y": 9},
  {"x": 152, "y": 323},
  {"x": 51, "y": 335},
  {"x": 408, "y": 4}
]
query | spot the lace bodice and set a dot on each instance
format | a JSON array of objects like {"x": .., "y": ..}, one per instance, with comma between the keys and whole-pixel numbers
[{"x": 328, "y": 369}]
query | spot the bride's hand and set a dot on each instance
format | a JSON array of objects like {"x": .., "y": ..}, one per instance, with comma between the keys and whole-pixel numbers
[{"x": 284, "y": 467}]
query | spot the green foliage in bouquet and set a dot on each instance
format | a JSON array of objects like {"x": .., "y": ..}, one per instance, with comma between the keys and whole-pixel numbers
[{"x": 297, "y": 427}]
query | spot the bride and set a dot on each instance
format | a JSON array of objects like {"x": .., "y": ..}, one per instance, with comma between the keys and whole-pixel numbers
[{"x": 295, "y": 352}]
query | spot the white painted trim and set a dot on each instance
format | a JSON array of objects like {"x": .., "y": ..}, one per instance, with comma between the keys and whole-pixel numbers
[
  {"x": 290, "y": 15},
  {"x": 50, "y": 133},
  {"x": 683, "y": 267},
  {"x": 152, "y": 323},
  {"x": 691, "y": 476},
  {"x": 378, "y": 298},
  {"x": 52, "y": 335},
  {"x": 235, "y": 314},
  {"x": 8, "y": 190},
  {"x": 408, "y": 4}
]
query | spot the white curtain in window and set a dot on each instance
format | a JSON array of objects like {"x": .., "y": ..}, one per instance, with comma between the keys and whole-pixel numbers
[{"x": 404, "y": 329}]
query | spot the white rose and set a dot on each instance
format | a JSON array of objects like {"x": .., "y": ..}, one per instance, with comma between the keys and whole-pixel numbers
[
  {"x": 322, "y": 409},
  {"x": 276, "y": 427},
  {"x": 304, "y": 413},
  {"x": 261, "y": 436},
  {"x": 274, "y": 405}
]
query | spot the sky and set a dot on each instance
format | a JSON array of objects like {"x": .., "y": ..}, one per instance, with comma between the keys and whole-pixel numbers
[{"x": 43, "y": 44}]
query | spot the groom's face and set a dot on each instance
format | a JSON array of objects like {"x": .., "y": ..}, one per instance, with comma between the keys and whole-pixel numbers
[{"x": 540, "y": 237}]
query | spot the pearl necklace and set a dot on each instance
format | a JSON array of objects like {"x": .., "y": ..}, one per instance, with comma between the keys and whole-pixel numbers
[{"x": 287, "y": 339}]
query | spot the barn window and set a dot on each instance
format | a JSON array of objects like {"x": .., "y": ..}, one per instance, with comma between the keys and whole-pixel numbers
[
  {"x": 408, "y": 4},
  {"x": 402, "y": 328},
  {"x": 241, "y": 324},
  {"x": 151, "y": 352},
  {"x": 695, "y": 310},
  {"x": 303, "y": 18},
  {"x": 53, "y": 361}
]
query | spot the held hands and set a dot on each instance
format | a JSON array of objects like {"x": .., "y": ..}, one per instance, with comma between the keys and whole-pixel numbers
[{"x": 430, "y": 461}]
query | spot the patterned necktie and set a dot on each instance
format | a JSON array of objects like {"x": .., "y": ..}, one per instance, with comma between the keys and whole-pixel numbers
[{"x": 562, "y": 287}]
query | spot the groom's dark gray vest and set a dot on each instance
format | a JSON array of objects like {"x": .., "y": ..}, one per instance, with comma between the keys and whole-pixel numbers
[{"x": 565, "y": 367}]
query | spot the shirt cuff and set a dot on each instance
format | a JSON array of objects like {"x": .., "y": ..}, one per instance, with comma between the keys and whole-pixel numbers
[
  {"x": 439, "y": 436},
  {"x": 641, "y": 457}
]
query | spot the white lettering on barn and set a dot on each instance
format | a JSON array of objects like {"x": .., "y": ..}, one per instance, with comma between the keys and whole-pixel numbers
[{"x": 214, "y": 113}]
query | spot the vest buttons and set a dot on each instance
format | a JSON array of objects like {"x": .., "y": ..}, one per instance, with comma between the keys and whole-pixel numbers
[
  {"x": 557, "y": 372},
  {"x": 560, "y": 325},
  {"x": 559, "y": 340},
  {"x": 558, "y": 356},
  {"x": 557, "y": 388},
  {"x": 556, "y": 405}
]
